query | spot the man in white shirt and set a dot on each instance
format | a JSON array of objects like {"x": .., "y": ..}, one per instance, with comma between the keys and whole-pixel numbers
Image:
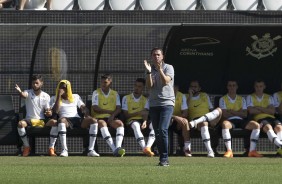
[
  {"x": 37, "y": 106},
  {"x": 65, "y": 105}
]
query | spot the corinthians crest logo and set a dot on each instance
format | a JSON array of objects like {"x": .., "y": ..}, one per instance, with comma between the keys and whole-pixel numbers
[{"x": 262, "y": 47}]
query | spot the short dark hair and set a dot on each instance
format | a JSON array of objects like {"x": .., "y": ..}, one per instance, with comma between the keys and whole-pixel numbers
[
  {"x": 231, "y": 80},
  {"x": 157, "y": 48},
  {"x": 37, "y": 77},
  {"x": 106, "y": 76},
  {"x": 142, "y": 80},
  {"x": 259, "y": 81}
]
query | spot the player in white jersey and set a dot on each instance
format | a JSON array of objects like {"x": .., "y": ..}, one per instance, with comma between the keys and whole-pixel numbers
[
  {"x": 64, "y": 106},
  {"x": 37, "y": 106},
  {"x": 261, "y": 106},
  {"x": 106, "y": 107},
  {"x": 234, "y": 114},
  {"x": 135, "y": 109}
]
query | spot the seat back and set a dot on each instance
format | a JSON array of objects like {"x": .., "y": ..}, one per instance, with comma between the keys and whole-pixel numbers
[
  {"x": 245, "y": 4},
  {"x": 62, "y": 4},
  {"x": 215, "y": 4},
  {"x": 153, "y": 4},
  {"x": 183, "y": 4},
  {"x": 35, "y": 5},
  {"x": 91, "y": 4},
  {"x": 122, "y": 4},
  {"x": 272, "y": 4},
  {"x": 8, "y": 121}
]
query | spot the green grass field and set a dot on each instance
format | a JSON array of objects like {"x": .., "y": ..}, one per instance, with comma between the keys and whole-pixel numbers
[{"x": 138, "y": 169}]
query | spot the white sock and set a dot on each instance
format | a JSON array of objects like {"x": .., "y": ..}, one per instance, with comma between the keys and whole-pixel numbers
[
  {"x": 227, "y": 138},
  {"x": 254, "y": 139},
  {"x": 212, "y": 115},
  {"x": 93, "y": 130},
  {"x": 152, "y": 137},
  {"x": 279, "y": 135},
  {"x": 273, "y": 138},
  {"x": 207, "y": 117},
  {"x": 22, "y": 134},
  {"x": 187, "y": 145},
  {"x": 119, "y": 136},
  {"x": 206, "y": 137},
  {"x": 138, "y": 134},
  {"x": 63, "y": 135},
  {"x": 107, "y": 136},
  {"x": 53, "y": 136}
]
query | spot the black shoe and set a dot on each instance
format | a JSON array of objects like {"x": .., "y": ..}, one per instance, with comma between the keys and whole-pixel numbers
[{"x": 164, "y": 163}]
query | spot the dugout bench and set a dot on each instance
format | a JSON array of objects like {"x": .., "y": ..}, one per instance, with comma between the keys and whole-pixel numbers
[
  {"x": 39, "y": 132},
  {"x": 36, "y": 132},
  {"x": 8, "y": 120}
]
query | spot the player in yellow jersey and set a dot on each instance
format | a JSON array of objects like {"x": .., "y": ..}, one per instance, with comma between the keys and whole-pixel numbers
[
  {"x": 234, "y": 114},
  {"x": 179, "y": 122},
  {"x": 277, "y": 97},
  {"x": 261, "y": 107},
  {"x": 135, "y": 108},
  {"x": 199, "y": 114},
  {"x": 106, "y": 106}
]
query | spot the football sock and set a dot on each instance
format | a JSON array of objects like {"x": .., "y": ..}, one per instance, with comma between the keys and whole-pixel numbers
[
  {"x": 22, "y": 134},
  {"x": 138, "y": 134},
  {"x": 93, "y": 130},
  {"x": 53, "y": 136},
  {"x": 187, "y": 145},
  {"x": 63, "y": 135},
  {"x": 254, "y": 139},
  {"x": 273, "y": 138},
  {"x": 206, "y": 137},
  {"x": 152, "y": 137},
  {"x": 107, "y": 136},
  {"x": 119, "y": 136},
  {"x": 279, "y": 135},
  {"x": 207, "y": 117},
  {"x": 226, "y": 138}
]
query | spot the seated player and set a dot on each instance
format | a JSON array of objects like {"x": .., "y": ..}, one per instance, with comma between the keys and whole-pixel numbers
[
  {"x": 135, "y": 108},
  {"x": 234, "y": 114},
  {"x": 106, "y": 107},
  {"x": 179, "y": 123},
  {"x": 261, "y": 107},
  {"x": 199, "y": 113},
  {"x": 65, "y": 105},
  {"x": 37, "y": 106}
]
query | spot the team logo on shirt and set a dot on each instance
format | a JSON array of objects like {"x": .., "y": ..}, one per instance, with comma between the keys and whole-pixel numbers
[
  {"x": 262, "y": 47},
  {"x": 197, "y": 105}
]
